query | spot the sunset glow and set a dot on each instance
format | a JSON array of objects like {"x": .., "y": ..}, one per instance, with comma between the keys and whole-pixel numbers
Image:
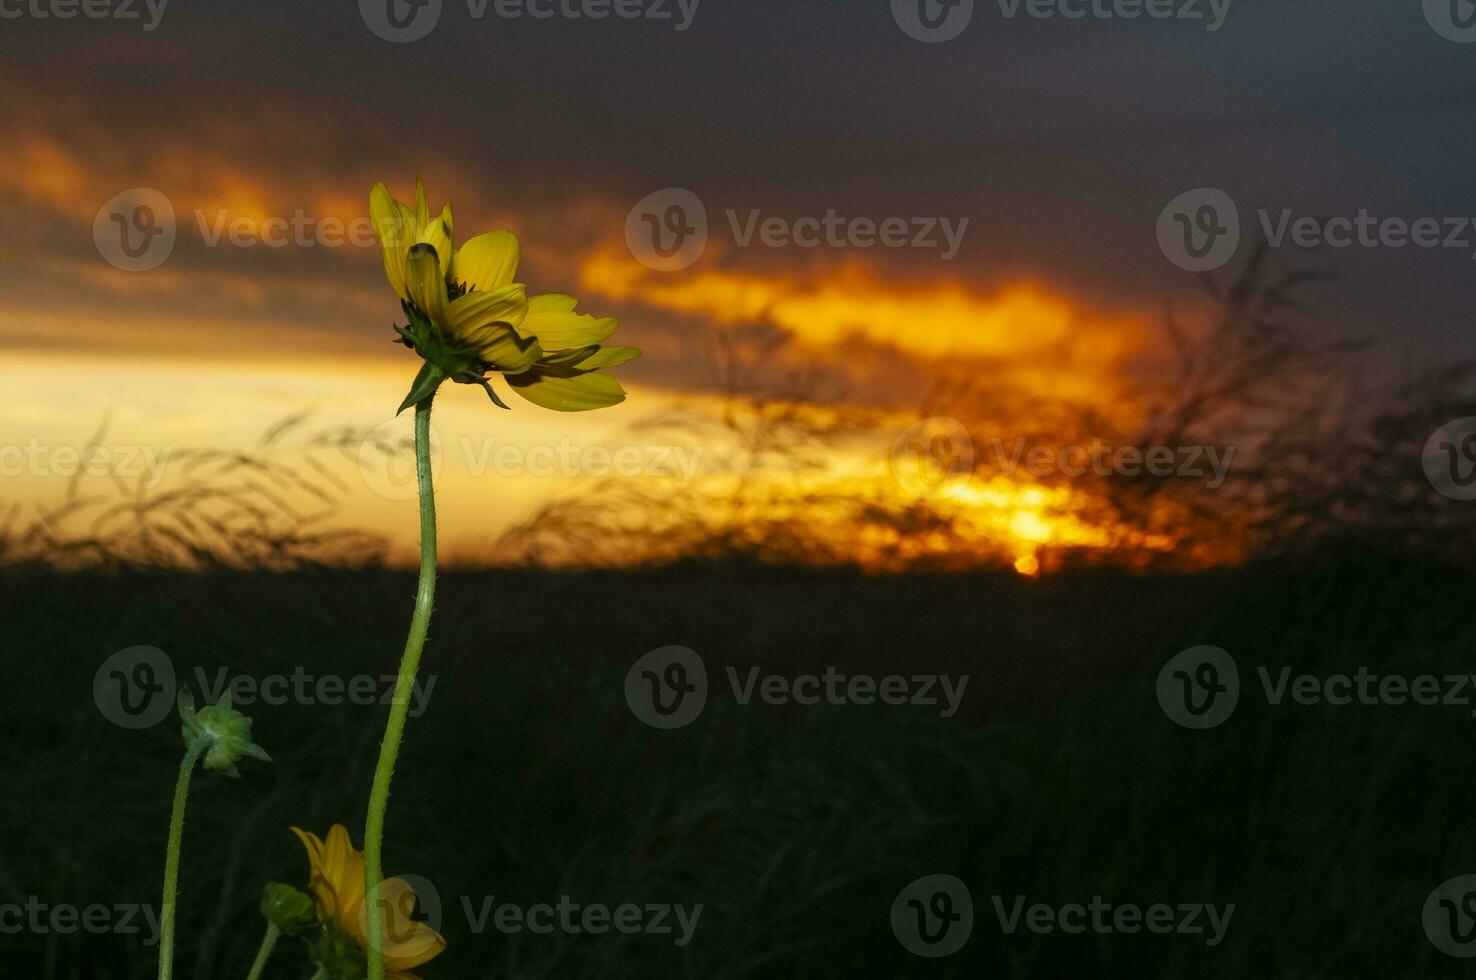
[{"x": 270, "y": 306}]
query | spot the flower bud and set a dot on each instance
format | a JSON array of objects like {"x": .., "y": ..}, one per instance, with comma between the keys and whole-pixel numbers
[
  {"x": 287, "y": 908},
  {"x": 227, "y": 733}
]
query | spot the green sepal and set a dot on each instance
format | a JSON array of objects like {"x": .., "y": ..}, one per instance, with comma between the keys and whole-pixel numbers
[
  {"x": 425, "y": 385},
  {"x": 473, "y": 377},
  {"x": 492, "y": 394}
]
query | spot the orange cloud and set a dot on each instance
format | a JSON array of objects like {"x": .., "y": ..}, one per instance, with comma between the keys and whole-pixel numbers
[{"x": 1052, "y": 345}]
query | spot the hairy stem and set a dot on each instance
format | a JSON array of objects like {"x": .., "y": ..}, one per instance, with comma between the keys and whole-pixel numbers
[
  {"x": 268, "y": 943},
  {"x": 171, "y": 857},
  {"x": 400, "y": 705}
]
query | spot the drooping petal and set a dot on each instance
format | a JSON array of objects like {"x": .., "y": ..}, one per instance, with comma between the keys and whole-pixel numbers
[
  {"x": 508, "y": 305},
  {"x": 488, "y": 321},
  {"x": 487, "y": 261},
  {"x": 408, "y": 943},
  {"x": 502, "y": 348},
  {"x": 568, "y": 359},
  {"x": 551, "y": 318},
  {"x": 565, "y": 393},
  {"x": 390, "y": 219},
  {"x": 608, "y": 357},
  {"x": 426, "y": 285},
  {"x": 324, "y": 895},
  {"x": 313, "y": 844}
]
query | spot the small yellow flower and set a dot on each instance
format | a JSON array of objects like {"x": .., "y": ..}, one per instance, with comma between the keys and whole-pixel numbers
[
  {"x": 468, "y": 316},
  {"x": 337, "y": 884}
]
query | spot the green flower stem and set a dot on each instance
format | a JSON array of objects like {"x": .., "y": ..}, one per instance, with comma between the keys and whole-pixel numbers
[
  {"x": 171, "y": 857},
  {"x": 399, "y": 707},
  {"x": 268, "y": 943}
]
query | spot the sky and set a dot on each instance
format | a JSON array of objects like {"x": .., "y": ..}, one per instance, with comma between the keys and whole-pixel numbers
[{"x": 1024, "y": 165}]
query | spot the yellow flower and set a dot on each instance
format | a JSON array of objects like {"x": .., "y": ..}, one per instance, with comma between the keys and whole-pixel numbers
[
  {"x": 468, "y": 316},
  {"x": 337, "y": 884}
]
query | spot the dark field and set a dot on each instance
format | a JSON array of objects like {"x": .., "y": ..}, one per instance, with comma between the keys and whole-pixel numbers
[{"x": 529, "y": 778}]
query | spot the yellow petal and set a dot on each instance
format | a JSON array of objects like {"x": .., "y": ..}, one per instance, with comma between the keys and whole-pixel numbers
[
  {"x": 422, "y": 207},
  {"x": 337, "y": 874},
  {"x": 508, "y": 305},
  {"x": 324, "y": 895},
  {"x": 408, "y": 943},
  {"x": 314, "y": 847},
  {"x": 488, "y": 321},
  {"x": 551, "y": 318},
  {"x": 395, "y": 235},
  {"x": 425, "y": 283},
  {"x": 608, "y": 357},
  {"x": 350, "y": 891},
  {"x": 438, "y": 235},
  {"x": 336, "y": 848},
  {"x": 423, "y": 945},
  {"x": 502, "y": 348},
  {"x": 487, "y": 261},
  {"x": 579, "y": 393}
]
